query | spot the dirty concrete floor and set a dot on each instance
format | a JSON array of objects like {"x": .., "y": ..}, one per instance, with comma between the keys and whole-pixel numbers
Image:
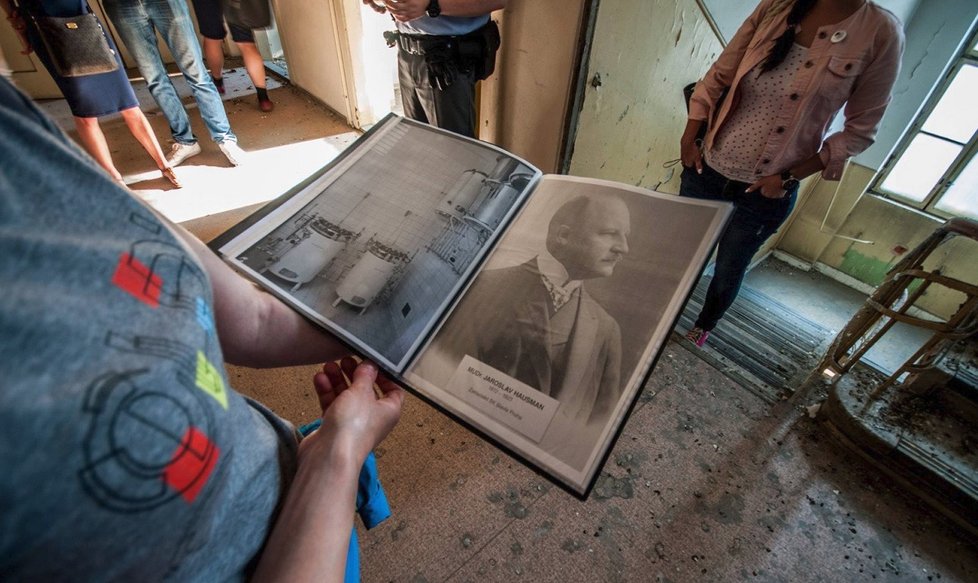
[
  {"x": 706, "y": 483},
  {"x": 821, "y": 299}
]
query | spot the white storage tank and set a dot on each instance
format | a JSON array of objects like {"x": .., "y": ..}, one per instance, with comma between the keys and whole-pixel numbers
[
  {"x": 321, "y": 242},
  {"x": 462, "y": 194},
  {"x": 364, "y": 282},
  {"x": 492, "y": 207}
]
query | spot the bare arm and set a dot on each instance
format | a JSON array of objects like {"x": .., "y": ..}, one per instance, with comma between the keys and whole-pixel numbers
[
  {"x": 311, "y": 536},
  {"x": 406, "y": 10},
  {"x": 254, "y": 327}
]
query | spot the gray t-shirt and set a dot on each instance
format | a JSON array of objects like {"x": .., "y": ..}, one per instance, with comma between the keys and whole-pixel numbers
[{"x": 124, "y": 452}]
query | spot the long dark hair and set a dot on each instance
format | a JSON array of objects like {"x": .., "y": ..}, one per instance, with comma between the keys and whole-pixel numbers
[{"x": 783, "y": 44}]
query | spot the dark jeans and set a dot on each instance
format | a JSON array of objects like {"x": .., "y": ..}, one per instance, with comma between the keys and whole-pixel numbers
[{"x": 755, "y": 218}]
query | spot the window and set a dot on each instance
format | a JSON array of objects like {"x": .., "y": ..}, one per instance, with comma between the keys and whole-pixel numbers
[{"x": 935, "y": 168}]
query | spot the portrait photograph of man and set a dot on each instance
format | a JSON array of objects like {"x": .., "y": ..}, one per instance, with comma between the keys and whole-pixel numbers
[{"x": 549, "y": 344}]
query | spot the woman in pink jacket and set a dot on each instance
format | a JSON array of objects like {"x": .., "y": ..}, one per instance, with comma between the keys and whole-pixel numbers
[{"x": 767, "y": 103}]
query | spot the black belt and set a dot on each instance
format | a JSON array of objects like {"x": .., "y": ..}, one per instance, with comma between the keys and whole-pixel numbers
[{"x": 420, "y": 44}]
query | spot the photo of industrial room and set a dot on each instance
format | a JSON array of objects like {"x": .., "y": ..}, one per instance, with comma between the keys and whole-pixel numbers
[{"x": 379, "y": 249}]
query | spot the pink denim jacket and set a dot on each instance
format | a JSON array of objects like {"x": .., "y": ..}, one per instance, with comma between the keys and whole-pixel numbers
[{"x": 854, "y": 62}]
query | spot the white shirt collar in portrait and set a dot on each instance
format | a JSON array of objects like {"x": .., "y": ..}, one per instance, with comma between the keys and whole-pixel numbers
[{"x": 556, "y": 280}]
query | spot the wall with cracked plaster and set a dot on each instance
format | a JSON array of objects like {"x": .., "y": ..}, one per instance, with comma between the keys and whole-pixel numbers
[
  {"x": 633, "y": 113},
  {"x": 887, "y": 225}
]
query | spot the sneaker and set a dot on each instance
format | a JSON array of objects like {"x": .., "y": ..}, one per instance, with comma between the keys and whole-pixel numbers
[
  {"x": 265, "y": 104},
  {"x": 232, "y": 152},
  {"x": 219, "y": 83},
  {"x": 180, "y": 152},
  {"x": 698, "y": 336}
]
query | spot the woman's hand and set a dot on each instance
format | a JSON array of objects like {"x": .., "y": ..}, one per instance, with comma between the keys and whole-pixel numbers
[
  {"x": 355, "y": 419},
  {"x": 691, "y": 154},
  {"x": 377, "y": 6},
  {"x": 691, "y": 148},
  {"x": 311, "y": 536},
  {"x": 769, "y": 187}
]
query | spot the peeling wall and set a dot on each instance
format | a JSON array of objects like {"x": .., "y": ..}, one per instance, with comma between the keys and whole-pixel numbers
[
  {"x": 893, "y": 229},
  {"x": 633, "y": 113}
]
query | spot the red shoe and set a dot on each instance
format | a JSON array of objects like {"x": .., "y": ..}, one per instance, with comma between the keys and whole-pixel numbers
[{"x": 265, "y": 104}]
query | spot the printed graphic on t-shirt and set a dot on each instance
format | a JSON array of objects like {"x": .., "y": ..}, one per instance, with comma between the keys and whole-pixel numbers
[{"x": 151, "y": 436}]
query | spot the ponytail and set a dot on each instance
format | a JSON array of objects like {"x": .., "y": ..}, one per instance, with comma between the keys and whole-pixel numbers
[{"x": 782, "y": 46}]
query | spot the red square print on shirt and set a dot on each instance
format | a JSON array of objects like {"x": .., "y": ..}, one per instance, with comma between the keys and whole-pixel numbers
[
  {"x": 132, "y": 276},
  {"x": 192, "y": 464}
]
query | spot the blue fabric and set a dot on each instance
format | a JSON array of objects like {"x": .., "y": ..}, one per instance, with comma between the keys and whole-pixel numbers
[
  {"x": 138, "y": 22},
  {"x": 755, "y": 218},
  {"x": 372, "y": 504}
]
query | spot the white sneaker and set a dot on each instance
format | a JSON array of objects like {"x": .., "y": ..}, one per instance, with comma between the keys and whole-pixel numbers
[
  {"x": 180, "y": 152},
  {"x": 232, "y": 152}
]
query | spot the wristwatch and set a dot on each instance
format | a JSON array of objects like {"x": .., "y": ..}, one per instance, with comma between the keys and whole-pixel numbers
[
  {"x": 433, "y": 9},
  {"x": 788, "y": 180}
]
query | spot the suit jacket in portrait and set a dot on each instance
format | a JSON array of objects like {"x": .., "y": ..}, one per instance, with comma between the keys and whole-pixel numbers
[{"x": 504, "y": 321}]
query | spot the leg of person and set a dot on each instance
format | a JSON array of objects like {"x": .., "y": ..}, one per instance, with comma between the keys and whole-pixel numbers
[
  {"x": 172, "y": 18},
  {"x": 710, "y": 185},
  {"x": 744, "y": 235},
  {"x": 143, "y": 132},
  {"x": 133, "y": 21},
  {"x": 453, "y": 108},
  {"x": 214, "y": 57},
  {"x": 411, "y": 72},
  {"x": 93, "y": 140},
  {"x": 255, "y": 65},
  {"x": 210, "y": 21}
]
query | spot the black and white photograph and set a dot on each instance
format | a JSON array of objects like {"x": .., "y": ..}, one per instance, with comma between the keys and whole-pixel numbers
[
  {"x": 377, "y": 247},
  {"x": 549, "y": 345}
]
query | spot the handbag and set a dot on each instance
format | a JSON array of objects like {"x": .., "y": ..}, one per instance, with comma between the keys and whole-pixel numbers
[
  {"x": 76, "y": 45},
  {"x": 250, "y": 14}
]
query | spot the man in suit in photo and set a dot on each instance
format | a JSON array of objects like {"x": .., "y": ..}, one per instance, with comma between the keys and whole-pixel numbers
[{"x": 537, "y": 323}]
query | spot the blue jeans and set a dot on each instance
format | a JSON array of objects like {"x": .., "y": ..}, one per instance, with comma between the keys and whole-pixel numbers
[
  {"x": 137, "y": 22},
  {"x": 755, "y": 218}
]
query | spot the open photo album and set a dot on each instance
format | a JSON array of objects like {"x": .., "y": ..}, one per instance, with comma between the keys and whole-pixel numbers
[{"x": 529, "y": 307}]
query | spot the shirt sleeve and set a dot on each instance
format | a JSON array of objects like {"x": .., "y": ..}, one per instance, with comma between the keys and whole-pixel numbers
[
  {"x": 721, "y": 73},
  {"x": 865, "y": 107}
]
